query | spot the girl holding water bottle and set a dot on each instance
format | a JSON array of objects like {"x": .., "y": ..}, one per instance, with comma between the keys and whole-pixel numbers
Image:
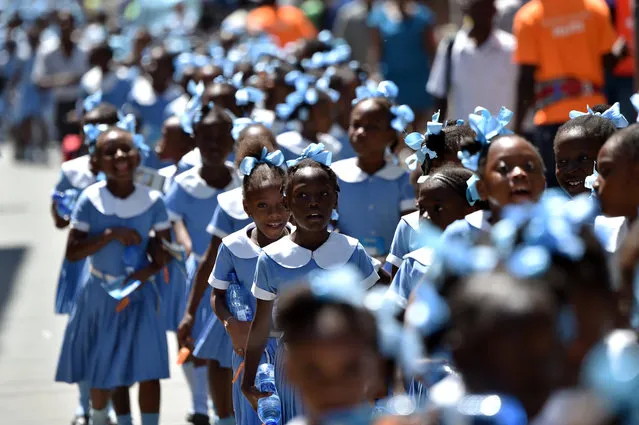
[{"x": 234, "y": 268}]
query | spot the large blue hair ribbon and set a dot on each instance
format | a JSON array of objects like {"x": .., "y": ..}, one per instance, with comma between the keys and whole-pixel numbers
[
  {"x": 275, "y": 158},
  {"x": 416, "y": 141},
  {"x": 314, "y": 151},
  {"x": 613, "y": 114},
  {"x": 385, "y": 89},
  {"x": 239, "y": 124},
  {"x": 486, "y": 128},
  {"x": 193, "y": 110},
  {"x": 91, "y": 134},
  {"x": 403, "y": 115},
  {"x": 92, "y": 101},
  {"x": 249, "y": 95},
  {"x": 128, "y": 122}
]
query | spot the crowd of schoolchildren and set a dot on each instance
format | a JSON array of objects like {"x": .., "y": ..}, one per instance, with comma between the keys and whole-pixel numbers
[{"x": 270, "y": 205}]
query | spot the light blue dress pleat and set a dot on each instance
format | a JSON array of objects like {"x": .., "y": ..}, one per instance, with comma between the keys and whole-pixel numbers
[
  {"x": 290, "y": 397},
  {"x": 73, "y": 275},
  {"x": 212, "y": 342}
]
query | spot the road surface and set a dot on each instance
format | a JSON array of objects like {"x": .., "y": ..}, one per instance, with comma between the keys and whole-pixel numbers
[{"x": 31, "y": 251}]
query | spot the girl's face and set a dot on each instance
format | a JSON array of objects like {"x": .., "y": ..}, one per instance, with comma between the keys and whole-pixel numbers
[
  {"x": 174, "y": 143},
  {"x": 334, "y": 374},
  {"x": 321, "y": 116},
  {"x": 312, "y": 198},
  {"x": 265, "y": 205},
  {"x": 441, "y": 203},
  {"x": 616, "y": 184},
  {"x": 214, "y": 141},
  {"x": 575, "y": 155},
  {"x": 369, "y": 131},
  {"x": 116, "y": 156},
  {"x": 514, "y": 173}
]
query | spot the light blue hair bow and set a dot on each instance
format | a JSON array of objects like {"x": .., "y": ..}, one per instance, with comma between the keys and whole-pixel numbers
[
  {"x": 613, "y": 114},
  {"x": 239, "y": 124},
  {"x": 343, "y": 285},
  {"x": 314, "y": 151},
  {"x": 297, "y": 101},
  {"x": 370, "y": 89},
  {"x": 416, "y": 140},
  {"x": 486, "y": 127},
  {"x": 185, "y": 60},
  {"x": 275, "y": 158},
  {"x": 193, "y": 111},
  {"x": 403, "y": 115},
  {"x": 472, "y": 194},
  {"x": 591, "y": 179},
  {"x": 317, "y": 61},
  {"x": 249, "y": 95},
  {"x": 91, "y": 134},
  {"x": 235, "y": 80},
  {"x": 300, "y": 80},
  {"x": 92, "y": 101}
]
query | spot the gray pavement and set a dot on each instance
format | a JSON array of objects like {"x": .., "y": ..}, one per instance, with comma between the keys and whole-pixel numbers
[{"x": 31, "y": 251}]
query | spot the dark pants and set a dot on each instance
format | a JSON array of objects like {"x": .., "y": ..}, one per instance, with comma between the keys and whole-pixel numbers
[
  {"x": 544, "y": 139},
  {"x": 619, "y": 89},
  {"x": 62, "y": 124}
]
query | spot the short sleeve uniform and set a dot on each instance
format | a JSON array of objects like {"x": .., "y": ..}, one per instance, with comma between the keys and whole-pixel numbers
[
  {"x": 564, "y": 39},
  {"x": 370, "y": 206},
  {"x": 410, "y": 274},
  {"x": 75, "y": 174},
  {"x": 405, "y": 239},
  {"x": 229, "y": 215}
]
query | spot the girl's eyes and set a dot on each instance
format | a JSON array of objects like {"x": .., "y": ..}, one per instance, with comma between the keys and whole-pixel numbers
[
  {"x": 530, "y": 166},
  {"x": 262, "y": 205},
  {"x": 324, "y": 193}
]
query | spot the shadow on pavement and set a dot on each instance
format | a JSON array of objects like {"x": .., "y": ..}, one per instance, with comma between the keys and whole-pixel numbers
[{"x": 10, "y": 260}]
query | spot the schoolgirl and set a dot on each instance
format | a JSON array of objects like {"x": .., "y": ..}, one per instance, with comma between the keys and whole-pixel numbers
[
  {"x": 191, "y": 202},
  {"x": 509, "y": 171},
  {"x": 311, "y": 196},
  {"x": 113, "y": 82},
  {"x": 363, "y": 212},
  {"x": 264, "y": 178},
  {"x": 114, "y": 337}
]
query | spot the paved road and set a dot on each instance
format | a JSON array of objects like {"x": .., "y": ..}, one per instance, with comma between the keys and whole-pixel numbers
[{"x": 30, "y": 334}]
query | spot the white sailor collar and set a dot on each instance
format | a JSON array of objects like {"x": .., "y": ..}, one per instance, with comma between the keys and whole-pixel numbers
[
  {"x": 335, "y": 252},
  {"x": 348, "y": 171},
  {"x": 295, "y": 143},
  {"x": 78, "y": 172},
  {"x": 479, "y": 220},
  {"x": 135, "y": 204},
  {"x": 412, "y": 220},
  {"x": 193, "y": 184},
  {"x": 231, "y": 202},
  {"x": 142, "y": 92},
  {"x": 423, "y": 256},
  {"x": 193, "y": 157},
  {"x": 241, "y": 245}
]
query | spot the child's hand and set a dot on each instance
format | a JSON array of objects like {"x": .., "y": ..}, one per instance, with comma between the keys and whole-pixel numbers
[
  {"x": 253, "y": 395},
  {"x": 184, "y": 331},
  {"x": 238, "y": 331},
  {"x": 124, "y": 235}
]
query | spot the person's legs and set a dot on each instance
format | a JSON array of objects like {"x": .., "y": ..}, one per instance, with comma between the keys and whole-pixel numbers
[
  {"x": 122, "y": 405},
  {"x": 62, "y": 124},
  {"x": 149, "y": 399},
  {"x": 221, "y": 386},
  {"x": 544, "y": 140},
  {"x": 99, "y": 411}
]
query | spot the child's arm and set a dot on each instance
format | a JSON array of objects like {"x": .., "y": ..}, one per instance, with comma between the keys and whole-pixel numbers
[
  {"x": 182, "y": 236},
  {"x": 59, "y": 222},
  {"x": 80, "y": 245},
  {"x": 197, "y": 289},
  {"x": 255, "y": 345},
  {"x": 237, "y": 330}
]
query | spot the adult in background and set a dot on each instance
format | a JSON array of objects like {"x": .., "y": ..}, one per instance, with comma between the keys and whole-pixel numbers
[
  {"x": 562, "y": 50},
  {"x": 286, "y": 23},
  {"x": 402, "y": 46},
  {"x": 351, "y": 25},
  {"x": 620, "y": 85},
  {"x": 475, "y": 66},
  {"x": 60, "y": 70}
]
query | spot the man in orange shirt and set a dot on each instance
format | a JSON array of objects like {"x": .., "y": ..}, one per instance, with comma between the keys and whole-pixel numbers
[
  {"x": 285, "y": 23},
  {"x": 620, "y": 85},
  {"x": 562, "y": 50}
]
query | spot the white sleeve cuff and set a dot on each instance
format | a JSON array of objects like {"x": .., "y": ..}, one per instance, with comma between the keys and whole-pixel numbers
[
  {"x": 162, "y": 225},
  {"x": 80, "y": 225},
  {"x": 263, "y": 295},
  {"x": 407, "y": 205},
  {"x": 218, "y": 284},
  {"x": 370, "y": 280},
  {"x": 396, "y": 298},
  {"x": 394, "y": 260},
  {"x": 216, "y": 231}
]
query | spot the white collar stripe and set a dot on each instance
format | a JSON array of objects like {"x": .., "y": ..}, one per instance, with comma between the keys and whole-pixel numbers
[
  {"x": 335, "y": 252},
  {"x": 348, "y": 171},
  {"x": 140, "y": 201}
]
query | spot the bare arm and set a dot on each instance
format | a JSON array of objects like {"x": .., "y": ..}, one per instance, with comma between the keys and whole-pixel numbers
[
  {"x": 59, "y": 222},
  {"x": 80, "y": 245},
  {"x": 182, "y": 236},
  {"x": 525, "y": 94}
]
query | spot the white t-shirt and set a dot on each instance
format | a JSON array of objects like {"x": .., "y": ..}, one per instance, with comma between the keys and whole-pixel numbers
[
  {"x": 481, "y": 76},
  {"x": 52, "y": 61}
]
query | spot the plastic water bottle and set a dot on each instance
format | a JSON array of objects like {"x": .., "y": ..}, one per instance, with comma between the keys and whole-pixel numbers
[
  {"x": 269, "y": 409},
  {"x": 65, "y": 202},
  {"x": 238, "y": 302}
]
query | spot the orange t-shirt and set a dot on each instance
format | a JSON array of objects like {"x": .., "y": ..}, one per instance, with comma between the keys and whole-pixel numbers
[
  {"x": 625, "y": 24},
  {"x": 564, "y": 39},
  {"x": 285, "y": 23}
]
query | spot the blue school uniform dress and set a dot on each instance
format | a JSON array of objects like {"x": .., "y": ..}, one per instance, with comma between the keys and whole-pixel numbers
[
  {"x": 410, "y": 274},
  {"x": 371, "y": 206},
  {"x": 193, "y": 201},
  {"x": 115, "y": 85},
  {"x": 74, "y": 174},
  {"x": 237, "y": 254},
  {"x": 107, "y": 348},
  {"x": 229, "y": 216},
  {"x": 30, "y": 100},
  {"x": 405, "y": 240},
  {"x": 283, "y": 263},
  {"x": 291, "y": 143}
]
